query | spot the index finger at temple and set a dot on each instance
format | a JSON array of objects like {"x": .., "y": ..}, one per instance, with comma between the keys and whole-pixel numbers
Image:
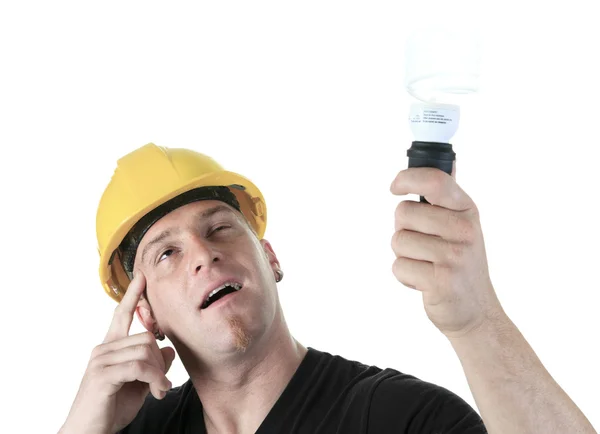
[{"x": 123, "y": 316}]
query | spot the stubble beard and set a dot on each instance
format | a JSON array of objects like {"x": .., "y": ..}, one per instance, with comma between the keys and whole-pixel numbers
[{"x": 241, "y": 336}]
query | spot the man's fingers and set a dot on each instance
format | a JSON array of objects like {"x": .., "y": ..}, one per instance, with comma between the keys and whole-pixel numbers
[
  {"x": 139, "y": 370},
  {"x": 140, "y": 356},
  {"x": 413, "y": 274},
  {"x": 134, "y": 352},
  {"x": 436, "y": 186},
  {"x": 140, "y": 339},
  {"x": 123, "y": 316},
  {"x": 459, "y": 226},
  {"x": 421, "y": 247},
  {"x": 168, "y": 354}
]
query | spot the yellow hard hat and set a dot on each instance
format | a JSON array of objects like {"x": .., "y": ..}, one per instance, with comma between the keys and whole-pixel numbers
[{"x": 147, "y": 184}]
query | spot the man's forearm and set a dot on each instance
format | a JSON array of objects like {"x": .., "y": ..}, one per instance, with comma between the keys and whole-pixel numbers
[{"x": 513, "y": 391}]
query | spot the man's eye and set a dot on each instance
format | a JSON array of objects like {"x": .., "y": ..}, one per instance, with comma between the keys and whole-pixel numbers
[
  {"x": 219, "y": 228},
  {"x": 165, "y": 253}
]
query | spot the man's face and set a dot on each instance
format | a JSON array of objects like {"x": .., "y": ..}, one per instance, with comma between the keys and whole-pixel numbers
[{"x": 192, "y": 249}]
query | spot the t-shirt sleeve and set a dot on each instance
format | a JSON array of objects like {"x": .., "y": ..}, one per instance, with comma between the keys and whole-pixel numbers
[{"x": 405, "y": 404}]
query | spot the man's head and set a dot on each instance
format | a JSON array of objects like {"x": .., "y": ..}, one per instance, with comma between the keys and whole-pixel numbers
[
  {"x": 193, "y": 249},
  {"x": 187, "y": 224}
]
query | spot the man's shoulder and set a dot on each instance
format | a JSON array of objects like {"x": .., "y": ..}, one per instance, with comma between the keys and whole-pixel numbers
[
  {"x": 358, "y": 381},
  {"x": 361, "y": 375},
  {"x": 395, "y": 397},
  {"x": 429, "y": 407}
]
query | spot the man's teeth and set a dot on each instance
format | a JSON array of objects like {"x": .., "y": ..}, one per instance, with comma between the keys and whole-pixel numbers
[{"x": 234, "y": 285}]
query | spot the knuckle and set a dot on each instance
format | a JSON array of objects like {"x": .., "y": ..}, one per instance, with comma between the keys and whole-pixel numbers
[
  {"x": 462, "y": 226},
  {"x": 398, "y": 239},
  {"x": 458, "y": 251},
  {"x": 96, "y": 371},
  {"x": 148, "y": 338},
  {"x": 394, "y": 240},
  {"x": 402, "y": 210},
  {"x": 402, "y": 235},
  {"x": 403, "y": 214},
  {"x": 474, "y": 214},
  {"x": 437, "y": 181},
  {"x": 399, "y": 270},
  {"x": 467, "y": 230},
  {"x": 397, "y": 266},
  {"x": 93, "y": 367},
  {"x": 396, "y": 269},
  {"x": 455, "y": 253},
  {"x": 136, "y": 366},
  {"x": 452, "y": 219},
  {"x": 97, "y": 351},
  {"x": 144, "y": 351}
]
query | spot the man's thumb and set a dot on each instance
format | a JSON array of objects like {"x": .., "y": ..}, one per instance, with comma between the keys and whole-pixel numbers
[{"x": 168, "y": 354}]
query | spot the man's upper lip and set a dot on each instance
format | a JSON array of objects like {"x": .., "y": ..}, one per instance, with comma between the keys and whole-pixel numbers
[{"x": 217, "y": 284}]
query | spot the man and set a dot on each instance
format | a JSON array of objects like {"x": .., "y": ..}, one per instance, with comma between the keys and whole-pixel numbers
[{"x": 181, "y": 244}]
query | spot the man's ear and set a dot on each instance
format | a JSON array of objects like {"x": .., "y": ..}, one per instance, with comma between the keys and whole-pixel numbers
[
  {"x": 273, "y": 261},
  {"x": 145, "y": 315},
  {"x": 271, "y": 256}
]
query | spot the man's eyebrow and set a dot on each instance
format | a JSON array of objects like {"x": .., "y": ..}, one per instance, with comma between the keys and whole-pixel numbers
[
  {"x": 203, "y": 215},
  {"x": 155, "y": 240},
  {"x": 214, "y": 210}
]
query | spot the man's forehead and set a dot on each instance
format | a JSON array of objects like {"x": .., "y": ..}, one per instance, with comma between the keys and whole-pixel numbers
[{"x": 199, "y": 210}]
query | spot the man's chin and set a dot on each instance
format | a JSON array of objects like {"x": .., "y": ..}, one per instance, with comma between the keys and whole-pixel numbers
[{"x": 240, "y": 334}]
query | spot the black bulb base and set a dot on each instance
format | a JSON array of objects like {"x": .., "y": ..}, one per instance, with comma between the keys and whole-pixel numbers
[{"x": 431, "y": 154}]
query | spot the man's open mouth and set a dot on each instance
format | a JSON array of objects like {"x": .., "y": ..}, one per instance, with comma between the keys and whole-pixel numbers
[{"x": 220, "y": 292}]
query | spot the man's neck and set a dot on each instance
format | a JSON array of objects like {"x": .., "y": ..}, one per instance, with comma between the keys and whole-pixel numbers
[{"x": 237, "y": 397}]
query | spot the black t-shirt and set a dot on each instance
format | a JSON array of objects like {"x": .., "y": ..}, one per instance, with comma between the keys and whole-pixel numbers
[{"x": 329, "y": 394}]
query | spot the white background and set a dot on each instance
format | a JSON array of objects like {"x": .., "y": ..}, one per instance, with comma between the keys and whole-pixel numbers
[{"x": 307, "y": 100}]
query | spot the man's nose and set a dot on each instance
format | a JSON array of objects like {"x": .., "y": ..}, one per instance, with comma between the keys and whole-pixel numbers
[{"x": 202, "y": 255}]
